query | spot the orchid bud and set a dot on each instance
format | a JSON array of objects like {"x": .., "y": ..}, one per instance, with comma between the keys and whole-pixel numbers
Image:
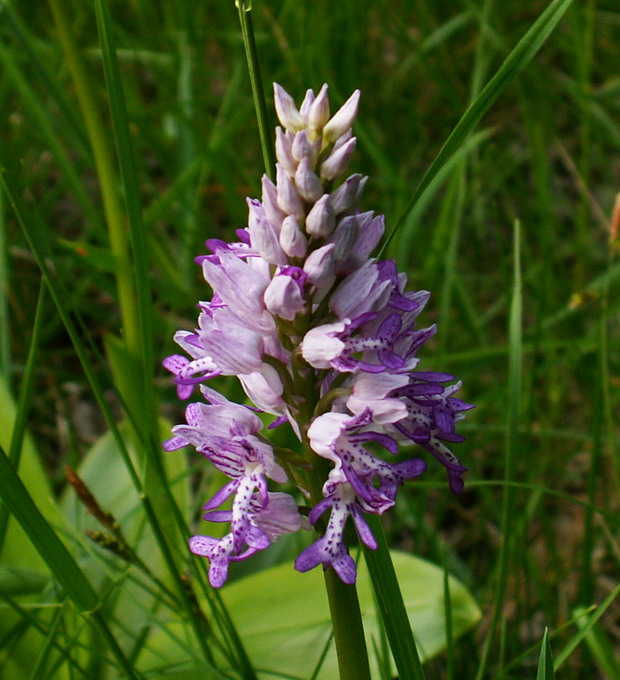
[
  {"x": 344, "y": 237},
  {"x": 343, "y": 119},
  {"x": 321, "y": 220},
  {"x": 285, "y": 294},
  {"x": 292, "y": 239},
  {"x": 306, "y": 105},
  {"x": 308, "y": 184},
  {"x": 302, "y": 148},
  {"x": 263, "y": 236},
  {"x": 287, "y": 111},
  {"x": 319, "y": 111},
  {"x": 284, "y": 151},
  {"x": 270, "y": 203},
  {"x": 319, "y": 265},
  {"x": 338, "y": 161},
  {"x": 343, "y": 198},
  {"x": 288, "y": 198}
]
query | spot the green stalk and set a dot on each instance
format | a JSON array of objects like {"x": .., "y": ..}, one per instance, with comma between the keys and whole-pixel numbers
[
  {"x": 343, "y": 601},
  {"x": 108, "y": 181},
  {"x": 25, "y": 396},
  {"x": 258, "y": 94}
]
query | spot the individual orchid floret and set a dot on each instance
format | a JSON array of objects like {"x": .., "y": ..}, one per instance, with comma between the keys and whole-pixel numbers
[
  {"x": 318, "y": 114},
  {"x": 321, "y": 219},
  {"x": 287, "y": 111},
  {"x": 342, "y": 119},
  {"x": 338, "y": 162},
  {"x": 330, "y": 550},
  {"x": 284, "y": 296},
  {"x": 307, "y": 183},
  {"x": 292, "y": 239},
  {"x": 289, "y": 200}
]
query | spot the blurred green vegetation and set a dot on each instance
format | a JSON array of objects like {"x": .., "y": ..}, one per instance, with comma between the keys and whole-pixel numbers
[{"x": 546, "y": 155}]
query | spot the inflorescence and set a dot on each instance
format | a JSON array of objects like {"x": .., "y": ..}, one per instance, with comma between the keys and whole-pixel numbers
[{"x": 324, "y": 337}]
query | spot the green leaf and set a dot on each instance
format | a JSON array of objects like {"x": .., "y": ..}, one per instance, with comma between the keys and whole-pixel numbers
[
  {"x": 545, "y": 661},
  {"x": 18, "y": 581},
  {"x": 283, "y": 618},
  {"x": 17, "y": 550}
]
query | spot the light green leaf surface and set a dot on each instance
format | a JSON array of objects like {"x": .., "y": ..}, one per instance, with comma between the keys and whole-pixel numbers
[
  {"x": 283, "y": 618},
  {"x": 17, "y": 549}
]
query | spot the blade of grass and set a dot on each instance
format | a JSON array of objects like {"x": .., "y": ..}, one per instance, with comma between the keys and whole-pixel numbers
[
  {"x": 545, "y": 660},
  {"x": 258, "y": 93},
  {"x": 5, "y": 336},
  {"x": 60, "y": 562},
  {"x": 23, "y": 402},
  {"x": 516, "y": 61},
  {"x": 391, "y": 605},
  {"x": 515, "y": 361},
  {"x": 141, "y": 346},
  {"x": 585, "y": 630}
]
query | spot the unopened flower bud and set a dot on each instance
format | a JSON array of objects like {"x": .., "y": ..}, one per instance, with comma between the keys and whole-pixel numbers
[
  {"x": 288, "y": 198},
  {"x": 285, "y": 294},
  {"x": 319, "y": 265},
  {"x": 344, "y": 197},
  {"x": 338, "y": 161},
  {"x": 270, "y": 203},
  {"x": 306, "y": 105},
  {"x": 343, "y": 119},
  {"x": 321, "y": 220},
  {"x": 319, "y": 111},
  {"x": 287, "y": 111},
  {"x": 284, "y": 151},
  {"x": 344, "y": 237},
  {"x": 308, "y": 184},
  {"x": 263, "y": 235},
  {"x": 302, "y": 148},
  {"x": 292, "y": 239}
]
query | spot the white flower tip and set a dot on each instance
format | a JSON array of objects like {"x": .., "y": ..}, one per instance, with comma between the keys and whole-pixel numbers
[{"x": 287, "y": 111}]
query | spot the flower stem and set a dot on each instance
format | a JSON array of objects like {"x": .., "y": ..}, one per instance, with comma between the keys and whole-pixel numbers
[
  {"x": 258, "y": 93},
  {"x": 343, "y": 601}
]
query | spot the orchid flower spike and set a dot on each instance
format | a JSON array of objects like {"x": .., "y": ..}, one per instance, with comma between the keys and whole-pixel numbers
[{"x": 323, "y": 337}]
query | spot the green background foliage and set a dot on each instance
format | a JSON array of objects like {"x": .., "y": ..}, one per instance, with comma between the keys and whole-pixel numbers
[{"x": 115, "y": 171}]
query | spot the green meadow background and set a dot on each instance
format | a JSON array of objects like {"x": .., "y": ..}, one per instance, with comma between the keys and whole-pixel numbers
[{"x": 129, "y": 136}]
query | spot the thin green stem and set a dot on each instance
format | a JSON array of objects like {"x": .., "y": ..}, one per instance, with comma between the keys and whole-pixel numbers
[
  {"x": 343, "y": 600},
  {"x": 108, "y": 180},
  {"x": 258, "y": 93}
]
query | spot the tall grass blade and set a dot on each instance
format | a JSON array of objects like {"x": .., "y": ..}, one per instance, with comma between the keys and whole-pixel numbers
[
  {"x": 60, "y": 562},
  {"x": 25, "y": 394},
  {"x": 545, "y": 660},
  {"x": 391, "y": 605},
  {"x": 516, "y": 61}
]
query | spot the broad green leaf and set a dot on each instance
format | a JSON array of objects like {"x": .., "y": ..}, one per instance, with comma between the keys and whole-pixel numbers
[{"x": 283, "y": 618}]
